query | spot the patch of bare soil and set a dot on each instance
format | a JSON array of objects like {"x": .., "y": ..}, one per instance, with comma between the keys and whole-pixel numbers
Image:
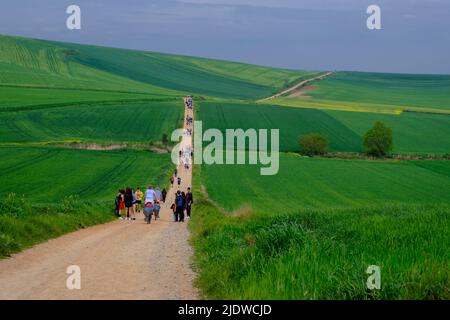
[{"x": 300, "y": 93}]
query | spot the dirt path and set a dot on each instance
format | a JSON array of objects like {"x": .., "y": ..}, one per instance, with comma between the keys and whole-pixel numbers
[
  {"x": 298, "y": 85},
  {"x": 118, "y": 260}
]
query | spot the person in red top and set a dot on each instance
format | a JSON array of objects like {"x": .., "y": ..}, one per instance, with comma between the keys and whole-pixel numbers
[{"x": 120, "y": 203}]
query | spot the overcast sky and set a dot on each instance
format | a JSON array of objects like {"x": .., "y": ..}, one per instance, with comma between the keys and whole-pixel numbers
[{"x": 297, "y": 34}]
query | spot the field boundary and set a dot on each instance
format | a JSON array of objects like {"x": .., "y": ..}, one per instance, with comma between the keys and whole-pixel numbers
[
  {"x": 81, "y": 104},
  {"x": 70, "y": 89}
]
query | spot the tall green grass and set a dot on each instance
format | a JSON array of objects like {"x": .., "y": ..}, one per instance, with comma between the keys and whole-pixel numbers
[
  {"x": 24, "y": 223},
  {"x": 321, "y": 253}
]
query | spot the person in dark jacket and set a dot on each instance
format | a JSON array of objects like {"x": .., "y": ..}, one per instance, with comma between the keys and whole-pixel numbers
[
  {"x": 180, "y": 203},
  {"x": 164, "y": 194},
  {"x": 189, "y": 202},
  {"x": 128, "y": 199}
]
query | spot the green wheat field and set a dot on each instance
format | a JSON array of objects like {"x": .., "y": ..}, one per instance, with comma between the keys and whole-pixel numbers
[{"x": 309, "y": 232}]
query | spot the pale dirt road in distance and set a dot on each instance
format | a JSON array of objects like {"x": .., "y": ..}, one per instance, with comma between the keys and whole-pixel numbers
[
  {"x": 298, "y": 85},
  {"x": 118, "y": 260}
]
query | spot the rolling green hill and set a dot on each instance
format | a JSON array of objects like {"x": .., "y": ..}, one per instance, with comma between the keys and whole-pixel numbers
[
  {"x": 403, "y": 90},
  {"x": 28, "y": 62},
  {"x": 376, "y": 92}
]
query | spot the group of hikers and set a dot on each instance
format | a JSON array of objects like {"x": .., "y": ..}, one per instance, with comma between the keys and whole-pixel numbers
[
  {"x": 189, "y": 120},
  {"x": 132, "y": 201},
  {"x": 183, "y": 202},
  {"x": 188, "y": 102},
  {"x": 185, "y": 157},
  {"x": 150, "y": 201}
]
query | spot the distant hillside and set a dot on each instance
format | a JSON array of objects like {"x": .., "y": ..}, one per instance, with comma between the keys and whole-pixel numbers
[
  {"x": 374, "y": 92},
  {"x": 29, "y": 62}
]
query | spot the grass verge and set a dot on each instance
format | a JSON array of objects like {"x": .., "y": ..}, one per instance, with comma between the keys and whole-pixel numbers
[
  {"x": 320, "y": 253},
  {"x": 23, "y": 225}
]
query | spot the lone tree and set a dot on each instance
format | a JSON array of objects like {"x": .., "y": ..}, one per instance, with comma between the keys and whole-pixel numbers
[
  {"x": 313, "y": 144},
  {"x": 378, "y": 140}
]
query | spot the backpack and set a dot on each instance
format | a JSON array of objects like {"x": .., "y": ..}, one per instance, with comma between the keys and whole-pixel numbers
[{"x": 179, "y": 201}]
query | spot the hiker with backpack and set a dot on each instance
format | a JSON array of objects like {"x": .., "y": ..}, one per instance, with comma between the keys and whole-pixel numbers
[
  {"x": 156, "y": 205},
  {"x": 148, "y": 212},
  {"x": 180, "y": 203},
  {"x": 156, "y": 209}
]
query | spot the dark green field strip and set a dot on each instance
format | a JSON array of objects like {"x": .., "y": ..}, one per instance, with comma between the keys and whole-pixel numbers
[
  {"x": 291, "y": 122},
  {"x": 25, "y": 99},
  {"x": 80, "y": 90},
  {"x": 440, "y": 167},
  {"x": 113, "y": 122},
  {"x": 46, "y": 175},
  {"x": 303, "y": 183}
]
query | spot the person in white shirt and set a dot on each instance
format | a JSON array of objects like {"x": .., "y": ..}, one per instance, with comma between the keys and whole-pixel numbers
[{"x": 150, "y": 195}]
